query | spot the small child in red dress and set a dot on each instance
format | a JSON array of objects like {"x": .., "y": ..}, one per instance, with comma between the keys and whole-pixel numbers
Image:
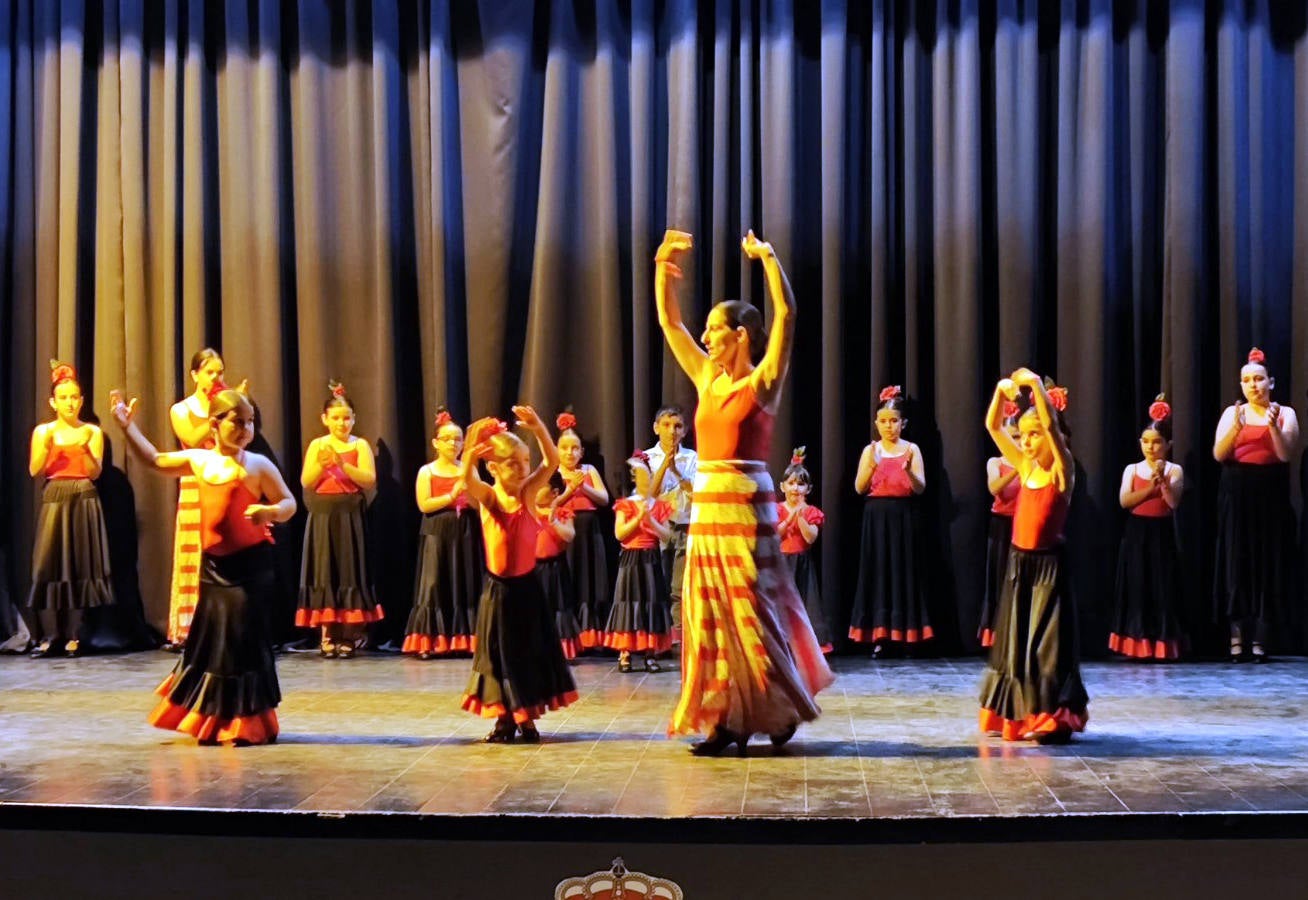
[
  {"x": 798, "y": 524},
  {"x": 641, "y": 617}
]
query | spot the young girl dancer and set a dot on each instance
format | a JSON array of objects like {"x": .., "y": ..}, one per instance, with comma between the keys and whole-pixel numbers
[
  {"x": 1144, "y": 622},
  {"x": 588, "y": 560},
  {"x": 798, "y": 524},
  {"x": 224, "y": 688},
  {"x": 335, "y": 584},
  {"x": 557, "y": 532},
  {"x": 190, "y": 420},
  {"x": 1255, "y": 523},
  {"x": 749, "y": 660},
  {"x": 641, "y": 617},
  {"x": 70, "y": 555},
  {"x": 1032, "y": 688},
  {"x": 518, "y": 669},
  {"x": 889, "y": 599},
  {"x": 448, "y": 579},
  {"x": 1001, "y": 480}
]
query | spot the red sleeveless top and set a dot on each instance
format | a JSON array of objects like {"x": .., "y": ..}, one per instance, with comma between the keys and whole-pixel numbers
[
  {"x": 1040, "y": 517},
  {"x": 643, "y": 538},
  {"x": 1006, "y": 500},
  {"x": 67, "y": 463},
  {"x": 1154, "y": 507},
  {"x": 890, "y": 478},
  {"x": 548, "y": 543},
  {"x": 224, "y": 529},
  {"x": 510, "y": 540},
  {"x": 792, "y": 541},
  {"x": 732, "y": 426},
  {"x": 334, "y": 480},
  {"x": 440, "y": 485},
  {"x": 1253, "y": 446}
]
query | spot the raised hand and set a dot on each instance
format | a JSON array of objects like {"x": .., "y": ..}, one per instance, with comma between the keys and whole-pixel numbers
[
  {"x": 674, "y": 243},
  {"x": 1239, "y": 418},
  {"x": 754, "y": 248},
  {"x": 1024, "y": 376},
  {"x": 475, "y": 442},
  {"x": 327, "y": 456},
  {"x": 1274, "y": 416},
  {"x": 122, "y": 412},
  {"x": 908, "y": 458},
  {"x": 528, "y": 418}
]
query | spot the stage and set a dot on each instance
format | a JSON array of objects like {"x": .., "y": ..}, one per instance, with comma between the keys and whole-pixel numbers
[{"x": 376, "y": 750}]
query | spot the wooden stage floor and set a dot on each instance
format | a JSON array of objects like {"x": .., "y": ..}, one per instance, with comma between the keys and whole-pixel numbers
[{"x": 897, "y": 741}]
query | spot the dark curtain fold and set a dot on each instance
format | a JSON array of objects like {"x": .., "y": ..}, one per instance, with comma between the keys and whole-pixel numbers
[{"x": 457, "y": 203}]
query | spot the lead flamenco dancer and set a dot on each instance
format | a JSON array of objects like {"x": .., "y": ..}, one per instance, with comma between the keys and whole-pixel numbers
[
  {"x": 749, "y": 659},
  {"x": 1032, "y": 689}
]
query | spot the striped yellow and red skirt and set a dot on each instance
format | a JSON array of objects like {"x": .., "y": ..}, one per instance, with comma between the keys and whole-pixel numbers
[
  {"x": 186, "y": 561},
  {"x": 749, "y": 659}
]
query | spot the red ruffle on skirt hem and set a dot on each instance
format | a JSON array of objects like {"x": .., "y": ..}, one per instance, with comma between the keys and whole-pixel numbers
[
  {"x": 639, "y": 641},
  {"x": 571, "y": 647},
  {"x": 987, "y": 638},
  {"x": 439, "y": 643},
  {"x": 261, "y": 728},
  {"x": 312, "y": 618},
  {"x": 912, "y": 636},
  {"x": 1060, "y": 720},
  {"x": 590, "y": 638},
  {"x": 1143, "y": 648},
  {"x": 526, "y": 714}
]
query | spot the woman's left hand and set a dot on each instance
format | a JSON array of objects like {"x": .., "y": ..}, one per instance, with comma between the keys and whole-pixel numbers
[{"x": 754, "y": 248}]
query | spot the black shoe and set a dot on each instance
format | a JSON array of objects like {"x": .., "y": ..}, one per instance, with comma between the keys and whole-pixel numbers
[
  {"x": 781, "y": 738},
  {"x": 652, "y": 665},
  {"x": 720, "y": 740},
  {"x": 1260, "y": 658},
  {"x": 502, "y": 734},
  {"x": 528, "y": 734},
  {"x": 624, "y": 664}
]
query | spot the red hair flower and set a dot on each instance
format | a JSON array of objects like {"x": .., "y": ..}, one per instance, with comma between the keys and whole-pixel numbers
[
  {"x": 1011, "y": 409},
  {"x": 1058, "y": 397},
  {"x": 639, "y": 456},
  {"x": 1159, "y": 410},
  {"x": 443, "y": 418},
  {"x": 1256, "y": 356},
  {"x": 890, "y": 393},
  {"x": 797, "y": 456},
  {"x": 493, "y": 427},
  {"x": 337, "y": 389},
  {"x": 565, "y": 421},
  {"x": 215, "y": 389},
  {"x": 61, "y": 372}
]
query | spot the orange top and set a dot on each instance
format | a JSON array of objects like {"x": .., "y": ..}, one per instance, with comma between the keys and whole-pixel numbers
[
  {"x": 1253, "y": 446},
  {"x": 733, "y": 425},
  {"x": 334, "y": 480},
  {"x": 792, "y": 541},
  {"x": 890, "y": 478},
  {"x": 439, "y": 485},
  {"x": 579, "y": 502},
  {"x": 643, "y": 538},
  {"x": 548, "y": 543},
  {"x": 224, "y": 529},
  {"x": 1154, "y": 507},
  {"x": 68, "y": 462},
  {"x": 1006, "y": 500},
  {"x": 510, "y": 540},
  {"x": 1039, "y": 518}
]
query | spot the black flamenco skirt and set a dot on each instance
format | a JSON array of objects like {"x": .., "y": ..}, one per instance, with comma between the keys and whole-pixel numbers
[
  {"x": 589, "y": 563},
  {"x": 556, "y": 584},
  {"x": 1145, "y": 623},
  {"x": 1254, "y": 565},
  {"x": 446, "y": 584},
  {"x": 224, "y": 688},
  {"x": 335, "y": 583},
  {"x": 641, "y": 617},
  {"x": 998, "y": 539},
  {"x": 889, "y": 600},
  {"x": 1032, "y": 684},
  {"x": 518, "y": 667},
  {"x": 70, "y": 553},
  {"x": 804, "y": 573}
]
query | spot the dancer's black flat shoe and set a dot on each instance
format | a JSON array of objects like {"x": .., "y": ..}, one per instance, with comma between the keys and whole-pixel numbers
[
  {"x": 720, "y": 740},
  {"x": 781, "y": 738}
]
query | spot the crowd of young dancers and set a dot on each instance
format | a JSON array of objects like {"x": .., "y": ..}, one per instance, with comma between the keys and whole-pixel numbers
[{"x": 513, "y": 566}]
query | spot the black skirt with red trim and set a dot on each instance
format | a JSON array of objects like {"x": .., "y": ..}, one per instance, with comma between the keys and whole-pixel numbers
[
  {"x": 335, "y": 579},
  {"x": 998, "y": 539},
  {"x": 1145, "y": 622},
  {"x": 889, "y": 599},
  {"x": 641, "y": 617},
  {"x": 556, "y": 583},
  {"x": 446, "y": 584}
]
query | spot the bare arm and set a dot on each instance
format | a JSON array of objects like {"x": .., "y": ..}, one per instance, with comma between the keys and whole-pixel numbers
[
  {"x": 1064, "y": 470},
  {"x": 807, "y": 529},
  {"x": 42, "y": 441},
  {"x": 313, "y": 467},
  {"x": 1008, "y": 448},
  {"x": 1283, "y": 429},
  {"x": 867, "y": 464},
  {"x": 549, "y": 454},
  {"x": 191, "y": 435},
  {"x": 1172, "y": 486},
  {"x": 564, "y": 530},
  {"x": 363, "y": 472},
  {"x": 914, "y": 470},
  {"x": 995, "y": 481},
  {"x": 281, "y": 505},
  {"x": 427, "y": 502},
  {"x": 1228, "y": 429},
  {"x": 627, "y": 521},
  {"x": 592, "y": 486},
  {"x": 175, "y": 464},
  {"x": 475, "y": 448},
  {"x": 771, "y": 370},
  {"x": 1127, "y": 495},
  {"x": 685, "y": 349},
  {"x": 95, "y": 453}
]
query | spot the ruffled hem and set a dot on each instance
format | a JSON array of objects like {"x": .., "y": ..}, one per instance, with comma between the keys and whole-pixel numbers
[
  {"x": 987, "y": 637},
  {"x": 570, "y": 647},
  {"x": 909, "y": 636},
  {"x": 261, "y": 728},
  {"x": 1060, "y": 721},
  {"x": 638, "y": 641},
  {"x": 311, "y": 618},
  {"x": 474, "y": 705},
  {"x": 827, "y": 648},
  {"x": 88, "y": 594},
  {"x": 590, "y": 638},
  {"x": 1144, "y": 648},
  {"x": 439, "y": 643}
]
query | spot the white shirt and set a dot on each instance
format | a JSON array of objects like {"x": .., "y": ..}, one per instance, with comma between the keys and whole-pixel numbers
[{"x": 670, "y": 491}]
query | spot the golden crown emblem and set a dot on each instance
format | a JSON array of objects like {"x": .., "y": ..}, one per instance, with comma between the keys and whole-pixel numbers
[{"x": 617, "y": 883}]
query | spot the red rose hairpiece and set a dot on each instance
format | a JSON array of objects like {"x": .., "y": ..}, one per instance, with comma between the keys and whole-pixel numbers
[
  {"x": 1159, "y": 410},
  {"x": 215, "y": 389},
  {"x": 1058, "y": 397},
  {"x": 61, "y": 372},
  {"x": 494, "y": 427},
  {"x": 890, "y": 393},
  {"x": 639, "y": 456},
  {"x": 565, "y": 421},
  {"x": 1011, "y": 409},
  {"x": 1256, "y": 356},
  {"x": 337, "y": 389},
  {"x": 443, "y": 418},
  {"x": 797, "y": 456}
]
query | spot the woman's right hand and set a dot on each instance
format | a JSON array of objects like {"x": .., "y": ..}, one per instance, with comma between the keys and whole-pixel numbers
[
  {"x": 122, "y": 412},
  {"x": 674, "y": 244}
]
